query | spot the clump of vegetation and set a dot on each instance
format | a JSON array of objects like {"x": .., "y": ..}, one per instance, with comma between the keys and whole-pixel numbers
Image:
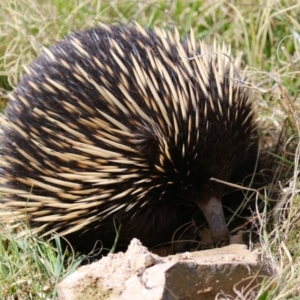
[{"x": 30, "y": 267}]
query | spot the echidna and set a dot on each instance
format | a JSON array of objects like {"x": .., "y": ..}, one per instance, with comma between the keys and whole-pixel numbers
[{"x": 125, "y": 124}]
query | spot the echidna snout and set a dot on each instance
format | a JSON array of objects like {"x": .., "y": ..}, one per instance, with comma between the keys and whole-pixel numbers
[
  {"x": 111, "y": 126},
  {"x": 210, "y": 204},
  {"x": 214, "y": 215}
]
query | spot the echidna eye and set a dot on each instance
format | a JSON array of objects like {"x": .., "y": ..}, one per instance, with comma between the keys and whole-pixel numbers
[{"x": 147, "y": 144}]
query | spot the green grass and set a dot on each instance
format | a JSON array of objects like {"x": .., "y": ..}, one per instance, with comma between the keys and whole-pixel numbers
[
  {"x": 267, "y": 32},
  {"x": 30, "y": 268}
]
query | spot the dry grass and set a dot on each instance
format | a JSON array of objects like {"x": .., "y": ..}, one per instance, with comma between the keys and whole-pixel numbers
[{"x": 268, "y": 32}]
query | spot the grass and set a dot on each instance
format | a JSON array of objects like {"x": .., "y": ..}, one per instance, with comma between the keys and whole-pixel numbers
[
  {"x": 30, "y": 268},
  {"x": 268, "y": 33}
]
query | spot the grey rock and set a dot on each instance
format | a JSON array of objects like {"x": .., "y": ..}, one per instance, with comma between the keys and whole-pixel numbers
[{"x": 222, "y": 273}]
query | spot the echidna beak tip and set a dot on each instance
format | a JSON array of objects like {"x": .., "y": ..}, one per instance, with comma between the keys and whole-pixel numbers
[{"x": 212, "y": 209}]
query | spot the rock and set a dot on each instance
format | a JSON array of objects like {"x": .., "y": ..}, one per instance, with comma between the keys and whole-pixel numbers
[{"x": 139, "y": 274}]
